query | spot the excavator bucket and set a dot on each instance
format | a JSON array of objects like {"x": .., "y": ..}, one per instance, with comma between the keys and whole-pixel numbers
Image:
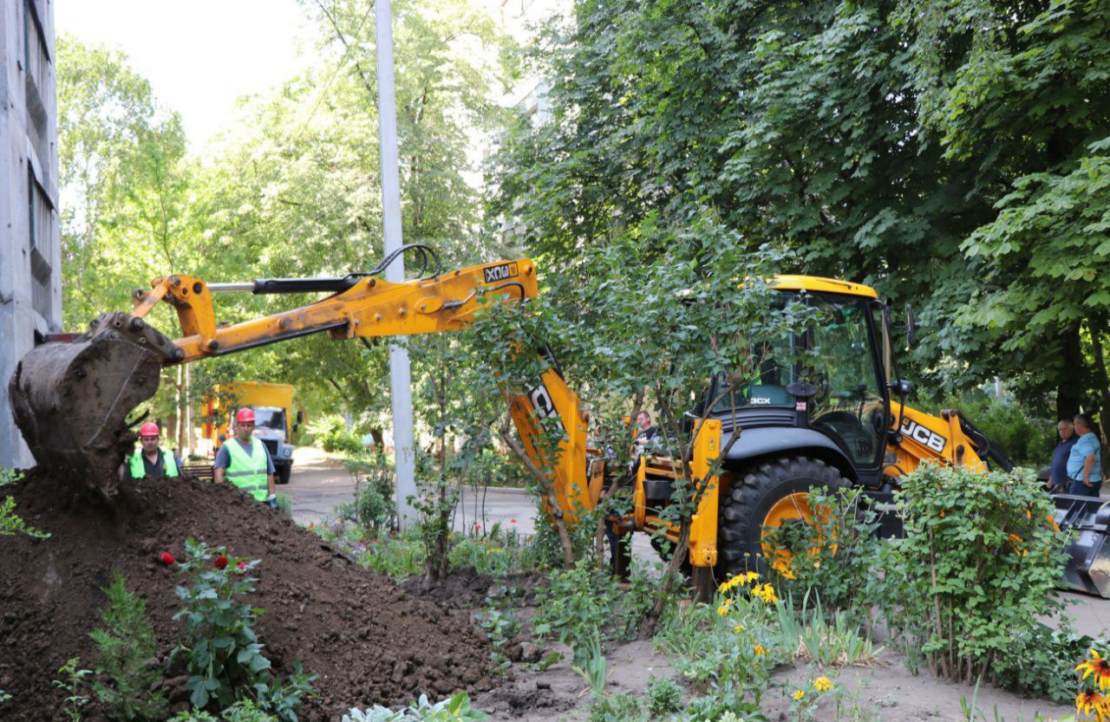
[
  {"x": 1088, "y": 565},
  {"x": 72, "y": 400}
]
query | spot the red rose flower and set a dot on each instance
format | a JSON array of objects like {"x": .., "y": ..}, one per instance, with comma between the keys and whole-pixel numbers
[
  {"x": 221, "y": 562},
  {"x": 512, "y": 521},
  {"x": 242, "y": 567},
  {"x": 167, "y": 558}
]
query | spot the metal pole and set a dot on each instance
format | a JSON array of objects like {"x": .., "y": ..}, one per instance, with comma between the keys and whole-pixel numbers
[{"x": 400, "y": 374}]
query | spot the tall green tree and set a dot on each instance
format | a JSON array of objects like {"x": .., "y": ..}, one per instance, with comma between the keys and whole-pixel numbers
[
  {"x": 123, "y": 180},
  {"x": 882, "y": 141}
]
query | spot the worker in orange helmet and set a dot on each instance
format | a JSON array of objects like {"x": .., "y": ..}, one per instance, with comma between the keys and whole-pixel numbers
[
  {"x": 245, "y": 461},
  {"x": 150, "y": 461}
]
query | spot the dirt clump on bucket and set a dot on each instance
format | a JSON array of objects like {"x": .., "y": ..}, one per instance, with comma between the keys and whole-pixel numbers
[{"x": 368, "y": 641}]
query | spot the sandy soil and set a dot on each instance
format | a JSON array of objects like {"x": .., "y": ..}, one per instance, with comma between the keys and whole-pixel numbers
[{"x": 886, "y": 691}]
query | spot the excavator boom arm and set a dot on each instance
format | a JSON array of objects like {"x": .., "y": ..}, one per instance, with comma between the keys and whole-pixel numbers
[
  {"x": 72, "y": 400},
  {"x": 370, "y": 307}
]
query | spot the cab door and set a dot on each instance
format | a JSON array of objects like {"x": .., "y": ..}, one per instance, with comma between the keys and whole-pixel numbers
[{"x": 841, "y": 361}]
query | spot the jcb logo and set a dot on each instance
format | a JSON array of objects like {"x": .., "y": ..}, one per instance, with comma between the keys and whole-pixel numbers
[
  {"x": 545, "y": 407},
  {"x": 920, "y": 434},
  {"x": 494, "y": 274}
]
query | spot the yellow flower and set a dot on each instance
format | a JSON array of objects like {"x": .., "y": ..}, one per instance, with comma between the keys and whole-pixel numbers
[
  {"x": 1098, "y": 666},
  {"x": 760, "y": 651},
  {"x": 766, "y": 592},
  {"x": 1088, "y": 701},
  {"x": 739, "y": 580},
  {"x": 722, "y": 610},
  {"x": 822, "y": 684},
  {"x": 799, "y": 694},
  {"x": 738, "y": 628}
]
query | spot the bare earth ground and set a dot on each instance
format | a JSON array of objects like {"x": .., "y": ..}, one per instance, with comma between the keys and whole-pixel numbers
[{"x": 884, "y": 692}]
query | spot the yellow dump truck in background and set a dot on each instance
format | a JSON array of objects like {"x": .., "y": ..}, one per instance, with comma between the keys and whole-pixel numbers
[{"x": 273, "y": 409}]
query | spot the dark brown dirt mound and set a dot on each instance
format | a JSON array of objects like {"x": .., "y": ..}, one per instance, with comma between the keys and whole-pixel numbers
[
  {"x": 367, "y": 641},
  {"x": 467, "y": 589}
]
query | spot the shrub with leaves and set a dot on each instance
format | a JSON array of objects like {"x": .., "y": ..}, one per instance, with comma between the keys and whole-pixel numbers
[
  {"x": 10, "y": 523},
  {"x": 618, "y": 707},
  {"x": 331, "y": 433},
  {"x": 730, "y": 646},
  {"x": 126, "y": 651},
  {"x": 585, "y": 602},
  {"x": 1039, "y": 659},
  {"x": 976, "y": 568},
  {"x": 223, "y": 655},
  {"x": 72, "y": 682},
  {"x": 831, "y": 555},
  {"x": 664, "y": 698},
  {"x": 456, "y": 709}
]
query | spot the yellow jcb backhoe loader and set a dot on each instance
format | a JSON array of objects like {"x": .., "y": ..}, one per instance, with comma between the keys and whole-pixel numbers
[{"x": 830, "y": 423}]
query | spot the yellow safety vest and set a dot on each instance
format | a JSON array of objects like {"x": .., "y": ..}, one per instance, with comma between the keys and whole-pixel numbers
[
  {"x": 138, "y": 469},
  {"x": 248, "y": 471}
]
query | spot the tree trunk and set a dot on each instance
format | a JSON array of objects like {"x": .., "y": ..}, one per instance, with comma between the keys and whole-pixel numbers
[
  {"x": 1069, "y": 389},
  {"x": 549, "y": 493},
  {"x": 1096, "y": 328},
  {"x": 672, "y": 574}
]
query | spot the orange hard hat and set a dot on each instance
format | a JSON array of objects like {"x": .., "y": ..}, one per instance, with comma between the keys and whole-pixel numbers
[
  {"x": 245, "y": 416},
  {"x": 149, "y": 429}
]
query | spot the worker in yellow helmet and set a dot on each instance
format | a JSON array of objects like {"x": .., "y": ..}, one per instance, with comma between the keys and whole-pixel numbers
[{"x": 245, "y": 462}]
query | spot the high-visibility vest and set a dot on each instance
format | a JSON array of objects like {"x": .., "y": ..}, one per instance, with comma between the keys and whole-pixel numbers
[
  {"x": 248, "y": 471},
  {"x": 138, "y": 469}
]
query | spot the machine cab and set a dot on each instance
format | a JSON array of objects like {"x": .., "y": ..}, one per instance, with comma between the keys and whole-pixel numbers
[{"x": 824, "y": 376}]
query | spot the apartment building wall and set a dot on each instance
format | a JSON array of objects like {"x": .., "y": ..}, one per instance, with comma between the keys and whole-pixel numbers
[{"x": 30, "y": 252}]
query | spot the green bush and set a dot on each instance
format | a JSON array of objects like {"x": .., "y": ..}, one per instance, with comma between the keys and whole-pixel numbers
[
  {"x": 456, "y": 709},
  {"x": 332, "y": 435},
  {"x": 722, "y": 704},
  {"x": 664, "y": 698},
  {"x": 1028, "y": 439},
  {"x": 10, "y": 523},
  {"x": 617, "y": 708},
  {"x": 731, "y": 644},
  {"x": 223, "y": 656},
  {"x": 582, "y": 603},
  {"x": 977, "y": 566},
  {"x": 125, "y": 652},
  {"x": 398, "y": 557},
  {"x": 833, "y": 555},
  {"x": 1040, "y": 662},
  {"x": 492, "y": 468}
]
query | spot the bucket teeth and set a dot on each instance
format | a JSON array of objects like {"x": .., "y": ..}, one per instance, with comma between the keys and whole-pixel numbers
[{"x": 72, "y": 401}]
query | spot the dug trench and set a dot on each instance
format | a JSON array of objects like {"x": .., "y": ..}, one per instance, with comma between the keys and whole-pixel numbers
[{"x": 366, "y": 640}]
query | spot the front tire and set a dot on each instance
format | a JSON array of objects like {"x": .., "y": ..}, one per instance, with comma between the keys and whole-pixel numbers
[
  {"x": 773, "y": 494},
  {"x": 283, "y": 474}
]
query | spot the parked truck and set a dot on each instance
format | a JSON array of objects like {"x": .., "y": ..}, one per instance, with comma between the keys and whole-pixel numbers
[{"x": 273, "y": 407}]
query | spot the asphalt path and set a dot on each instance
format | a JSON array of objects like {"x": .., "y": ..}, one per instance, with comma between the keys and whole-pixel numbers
[{"x": 320, "y": 482}]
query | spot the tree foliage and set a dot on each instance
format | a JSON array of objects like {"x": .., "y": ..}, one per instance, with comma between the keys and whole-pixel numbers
[{"x": 947, "y": 153}]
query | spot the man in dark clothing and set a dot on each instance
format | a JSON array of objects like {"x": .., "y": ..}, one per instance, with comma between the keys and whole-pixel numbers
[
  {"x": 646, "y": 433},
  {"x": 1058, "y": 481}
]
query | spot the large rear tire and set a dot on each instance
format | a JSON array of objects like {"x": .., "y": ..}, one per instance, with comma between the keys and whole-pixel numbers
[{"x": 775, "y": 493}]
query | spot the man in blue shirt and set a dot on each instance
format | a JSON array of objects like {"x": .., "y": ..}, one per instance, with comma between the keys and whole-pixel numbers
[
  {"x": 1058, "y": 481},
  {"x": 1085, "y": 459}
]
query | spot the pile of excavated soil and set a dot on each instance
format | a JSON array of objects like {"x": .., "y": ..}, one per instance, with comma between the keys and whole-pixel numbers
[{"x": 366, "y": 640}]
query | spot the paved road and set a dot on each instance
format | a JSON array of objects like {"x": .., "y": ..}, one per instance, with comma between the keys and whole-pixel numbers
[{"x": 320, "y": 482}]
